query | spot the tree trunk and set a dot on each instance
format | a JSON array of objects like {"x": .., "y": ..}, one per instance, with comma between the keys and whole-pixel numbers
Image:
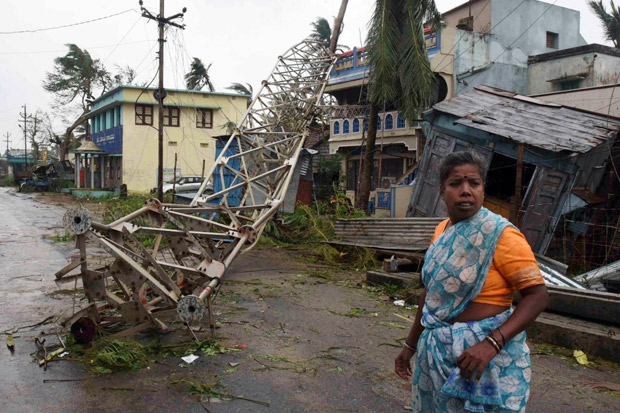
[
  {"x": 364, "y": 189},
  {"x": 64, "y": 144},
  {"x": 333, "y": 42}
]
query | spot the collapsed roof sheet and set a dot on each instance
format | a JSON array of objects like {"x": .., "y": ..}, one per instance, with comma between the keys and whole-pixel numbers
[{"x": 530, "y": 121}]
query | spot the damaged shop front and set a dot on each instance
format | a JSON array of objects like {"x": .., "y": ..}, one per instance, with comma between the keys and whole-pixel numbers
[{"x": 545, "y": 161}]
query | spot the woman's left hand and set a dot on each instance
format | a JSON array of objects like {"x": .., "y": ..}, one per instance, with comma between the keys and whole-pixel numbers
[{"x": 475, "y": 359}]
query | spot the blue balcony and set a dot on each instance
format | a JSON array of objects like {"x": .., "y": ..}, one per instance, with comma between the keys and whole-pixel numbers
[{"x": 353, "y": 65}]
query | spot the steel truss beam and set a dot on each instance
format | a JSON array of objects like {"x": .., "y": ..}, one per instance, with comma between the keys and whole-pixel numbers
[{"x": 170, "y": 256}]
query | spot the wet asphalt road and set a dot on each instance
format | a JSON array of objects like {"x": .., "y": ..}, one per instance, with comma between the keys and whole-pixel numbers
[
  {"x": 28, "y": 260},
  {"x": 317, "y": 340}
]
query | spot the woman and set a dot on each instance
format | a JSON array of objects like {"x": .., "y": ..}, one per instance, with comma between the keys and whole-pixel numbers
[{"x": 468, "y": 340}]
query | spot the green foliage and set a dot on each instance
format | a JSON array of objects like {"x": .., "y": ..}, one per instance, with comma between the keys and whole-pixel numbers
[
  {"x": 76, "y": 74},
  {"x": 328, "y": 171},
  {"x": 313, "y": 225},
  {"x": 118, "y": 208},
  {"x": 116, "y": 355},
  {"x": 401, "y": 73},
  {"x": 198, "y": 76},
  {"x": 321, "y": 30},
  {"x": 66, "y": 236},
  {"x": 7, "y": 181},
  {"x": 609, "y": 20}
]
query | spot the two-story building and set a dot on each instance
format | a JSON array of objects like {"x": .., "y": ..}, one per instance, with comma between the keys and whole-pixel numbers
[
  {"x": 585, "y": 77},
  {"x": 479, "y": 42},
  {"x": 123, "y": 126},
  {"x": 488, "y": 42}
]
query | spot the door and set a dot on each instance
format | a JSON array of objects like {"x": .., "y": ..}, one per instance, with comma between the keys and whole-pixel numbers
[
  {"x": 425, "y": 200},
  {"x": 543, "y": 203}
]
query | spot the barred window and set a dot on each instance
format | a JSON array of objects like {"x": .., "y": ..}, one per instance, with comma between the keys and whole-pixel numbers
[
  {"x": 171, "y": 116},
  {"x": 144, "y": 115},
  {"x": 204, "y": 118}
]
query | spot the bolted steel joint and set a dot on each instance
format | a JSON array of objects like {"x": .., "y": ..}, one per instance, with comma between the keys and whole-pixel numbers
[
  {"x": 191, "y": 309},
  {"x": 250, "y": 232},
  {"x": 77, "y": 221}
]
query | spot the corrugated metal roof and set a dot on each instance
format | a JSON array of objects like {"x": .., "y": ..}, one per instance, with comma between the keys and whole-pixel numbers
[{"x": 530, "y": 121}]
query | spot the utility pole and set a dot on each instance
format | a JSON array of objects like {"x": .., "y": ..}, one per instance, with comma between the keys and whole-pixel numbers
[
  {"x": 160, "y": 93},
  {"x": 7, "y": 140},
  {"x": 25, "y": 128}
]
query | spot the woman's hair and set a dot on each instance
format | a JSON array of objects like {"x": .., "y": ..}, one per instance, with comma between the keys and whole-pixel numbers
[{"x": 454, "y": 159}]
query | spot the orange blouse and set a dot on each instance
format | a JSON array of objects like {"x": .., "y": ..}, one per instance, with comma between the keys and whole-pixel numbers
[{"x": 514, "y": 267}]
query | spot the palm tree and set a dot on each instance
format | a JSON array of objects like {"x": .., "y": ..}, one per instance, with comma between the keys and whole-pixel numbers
[
  {"x": 321, "y": 30},
  {"x": 241, "y": 88},
  {"x": 401, "y": 73},
  {"x": 76, "y": 75},
  {"x": 610, "y": 21},
  {"x": 198, "y": 76}
]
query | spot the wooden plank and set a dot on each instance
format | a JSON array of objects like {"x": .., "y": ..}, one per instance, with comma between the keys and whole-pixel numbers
[
  {"x": 585, "y": 304},
  {"x": 593, "y": 339}
]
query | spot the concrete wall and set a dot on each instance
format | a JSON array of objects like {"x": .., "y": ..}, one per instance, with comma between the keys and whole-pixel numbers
[
  {"x": 602, "y": 99},
  {"x": 191, "y": 144},
  {"x": 499, "y": 59},
  {"x": 596, "y": 68}
]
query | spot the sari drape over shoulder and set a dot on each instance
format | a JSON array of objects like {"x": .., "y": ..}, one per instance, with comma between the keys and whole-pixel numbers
[{"x": 455, "y": 269}]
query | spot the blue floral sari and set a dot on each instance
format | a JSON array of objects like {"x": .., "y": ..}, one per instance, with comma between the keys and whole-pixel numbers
[{"x": 455, "y": 269}]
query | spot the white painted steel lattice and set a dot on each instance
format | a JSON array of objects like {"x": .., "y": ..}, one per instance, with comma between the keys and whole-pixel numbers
[{"x": 190, "y": 247}]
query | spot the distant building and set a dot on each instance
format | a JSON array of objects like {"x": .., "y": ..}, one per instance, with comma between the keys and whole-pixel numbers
[
  {"x": 123, "y": 126},
  {"x": 488, "y": 42},
  {"x": 585, "y": 77}
]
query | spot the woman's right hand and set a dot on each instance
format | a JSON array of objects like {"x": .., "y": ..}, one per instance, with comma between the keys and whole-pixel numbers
[{"x": 403, "y": 363}]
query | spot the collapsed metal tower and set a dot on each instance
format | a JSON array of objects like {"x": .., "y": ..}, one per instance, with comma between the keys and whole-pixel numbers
[{"x": 190, "y": 247}]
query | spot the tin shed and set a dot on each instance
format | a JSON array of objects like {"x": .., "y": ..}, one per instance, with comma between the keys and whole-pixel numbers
[{"x": 536, "y": 153}]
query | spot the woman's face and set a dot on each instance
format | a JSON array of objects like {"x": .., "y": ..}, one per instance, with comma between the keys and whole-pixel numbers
[{"x": 463, "y": 192}]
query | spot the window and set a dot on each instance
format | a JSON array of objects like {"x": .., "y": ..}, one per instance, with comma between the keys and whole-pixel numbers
[
  {"x": 570, "y": 84},
  {"x": 553, "y": 40},
  {"x": 144, "y": 115},
  {"x": 171, "y": 116},
  {"x": 389, "y": 122},
  {"x": 345, "y": 127},
  {"x": 378, "y": 122},
  {"x": 356, "y": 125},
  {"x": 204, "y": 118},
  {"x": 400, "y": 122},
  {"x": 365, "y": 125},
  {"x": 336, "y": 128}
]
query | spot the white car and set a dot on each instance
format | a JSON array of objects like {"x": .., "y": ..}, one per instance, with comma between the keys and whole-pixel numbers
[{"x": 189, "y": 183}]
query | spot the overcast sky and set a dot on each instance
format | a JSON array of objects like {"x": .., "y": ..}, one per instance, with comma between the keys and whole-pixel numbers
[{"x": 241, "y": 38}]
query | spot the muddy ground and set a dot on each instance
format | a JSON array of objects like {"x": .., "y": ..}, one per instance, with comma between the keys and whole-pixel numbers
[{"x": 305, "y": 337}]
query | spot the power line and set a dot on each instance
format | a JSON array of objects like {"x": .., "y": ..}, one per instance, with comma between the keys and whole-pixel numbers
[
  {"x": 92, "y": 47},
  {"x": 69, "y": 25}
]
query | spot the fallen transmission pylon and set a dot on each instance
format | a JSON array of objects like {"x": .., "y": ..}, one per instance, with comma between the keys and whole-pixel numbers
[{"x": 191, "y": 246}]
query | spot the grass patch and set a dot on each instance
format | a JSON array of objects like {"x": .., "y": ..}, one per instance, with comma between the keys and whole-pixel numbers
[{"x": 65, "y": 236}]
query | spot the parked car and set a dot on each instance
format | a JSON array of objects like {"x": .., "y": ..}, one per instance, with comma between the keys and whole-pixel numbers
[{"x": 188, "y": 183}]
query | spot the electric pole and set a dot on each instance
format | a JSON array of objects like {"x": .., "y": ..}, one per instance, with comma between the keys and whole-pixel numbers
[
  {"x": 25, "y": 128},
  {"x": 7, "y": 140},
  {"x": 160, "y": 93}
]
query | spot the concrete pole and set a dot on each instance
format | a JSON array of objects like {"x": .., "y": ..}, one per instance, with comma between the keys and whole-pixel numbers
[
  {"x": 78, "y": 165},
  {"x": 92, "y": 171}
]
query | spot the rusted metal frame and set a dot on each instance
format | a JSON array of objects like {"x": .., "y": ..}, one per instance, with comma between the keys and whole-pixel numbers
[
  {"x": 180, "y": 225},
  {"x": 97, "y": 237},
  {"x": 203, "y": 220},
  {"x": 161, "y": 274},
  {"x": 182, "y": 268},
  {"x": 123, "y": 287},
  {"x": 155, "y": 284},
  {"x": 131, "y": 216},
  {"x": 254, "y": 179}
]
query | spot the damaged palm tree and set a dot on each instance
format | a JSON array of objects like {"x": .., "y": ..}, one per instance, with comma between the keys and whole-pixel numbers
[{"x": 190, "y": 247}]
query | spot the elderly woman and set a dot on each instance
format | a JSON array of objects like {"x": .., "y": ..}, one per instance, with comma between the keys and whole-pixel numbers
[{"x": 468, "y": 340}]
